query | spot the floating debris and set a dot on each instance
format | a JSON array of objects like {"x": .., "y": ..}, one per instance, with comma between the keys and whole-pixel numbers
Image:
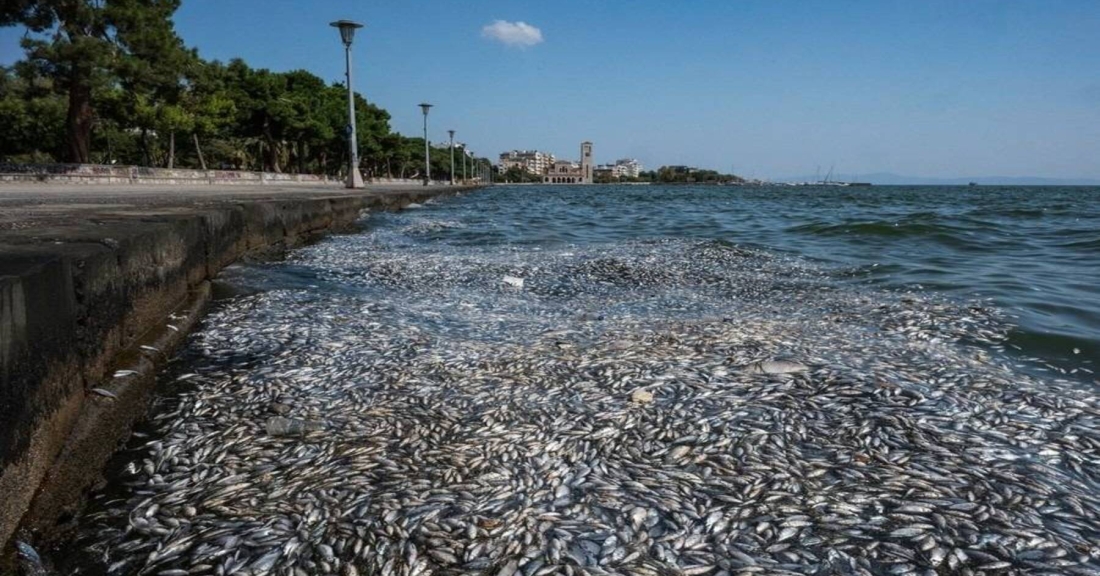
[
  {"x": 279, "y": 426},
  {"x": 641, "y": 396},
  {"x": 106, "y": 393},
  {"x": 513, "y": 281},
  {"x": 468, "y": 429}
]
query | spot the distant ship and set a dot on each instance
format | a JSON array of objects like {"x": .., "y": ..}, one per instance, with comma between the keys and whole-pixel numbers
[
  {"x": 828, "y": 181},
  {"x": 972, "y": 184}
]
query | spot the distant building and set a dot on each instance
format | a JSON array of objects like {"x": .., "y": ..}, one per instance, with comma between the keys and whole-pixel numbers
[
  {"x": 564, "y": 172},
  {"x": 532, "y": 161},
  {"x": 627, "y": 167}
]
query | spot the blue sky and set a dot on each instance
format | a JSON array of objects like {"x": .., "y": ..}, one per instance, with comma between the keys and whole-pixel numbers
[{"x": 767, "y": 88}]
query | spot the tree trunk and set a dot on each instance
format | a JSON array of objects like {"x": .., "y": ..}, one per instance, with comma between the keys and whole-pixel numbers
[
  {"x": 171, "y": 149},
  {"x": 145, "y": 146},
  {"x": 274, "y": 153},
  {"x": 79, "y": 121},
  {"x": 202, "y": 161}
]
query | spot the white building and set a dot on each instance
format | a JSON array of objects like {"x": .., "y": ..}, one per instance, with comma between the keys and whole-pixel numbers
[
  {"x": 628, "y": 167},
  {"x": 532, "y": 161},
  {"x": 624, "y": 168}
]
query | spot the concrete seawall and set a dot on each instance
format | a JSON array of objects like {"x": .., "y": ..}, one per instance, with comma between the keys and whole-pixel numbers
[{"x": 96, "y": 290}]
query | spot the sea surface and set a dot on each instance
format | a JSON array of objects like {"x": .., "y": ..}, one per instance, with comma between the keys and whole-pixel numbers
[
  {"x": 531, "y": 380},
  {"x": 1032, "y": 252}
]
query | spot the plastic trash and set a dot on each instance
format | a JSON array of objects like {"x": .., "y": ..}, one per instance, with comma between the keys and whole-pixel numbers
[{"x": 279, "y": 426}]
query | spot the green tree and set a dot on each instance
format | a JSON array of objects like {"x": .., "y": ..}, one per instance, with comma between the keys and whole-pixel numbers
[
  {"x": 83, "y": 43},
  {"x": 32, "y": 114},
  {"x": 210, "y": 107},
  {"x": 153, "y": 67},
  {"x": 110, "y": 80}
]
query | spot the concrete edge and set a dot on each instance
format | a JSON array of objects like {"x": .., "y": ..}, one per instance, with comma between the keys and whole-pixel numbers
[{"x": 145, "y": 280}]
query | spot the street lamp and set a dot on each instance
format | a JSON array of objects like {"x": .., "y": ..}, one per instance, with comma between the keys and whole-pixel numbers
[
  {"x": 427, "y": 155},
  {"x": 452, "y": 133},
  {"x": 347, "y": 32}
]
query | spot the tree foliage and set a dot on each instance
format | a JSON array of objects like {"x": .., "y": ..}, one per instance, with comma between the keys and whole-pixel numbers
[
  {"x": 688, "y": 174},
  {"x": 518, "y": 175},
  {"x": 110, "y": 81},
  {"x": 88, "y": 46}
]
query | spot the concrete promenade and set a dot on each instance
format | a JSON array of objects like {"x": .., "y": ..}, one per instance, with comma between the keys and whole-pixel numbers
[
  {"x": 98, "y": 284},
  {"x": 28, "y": 204}
]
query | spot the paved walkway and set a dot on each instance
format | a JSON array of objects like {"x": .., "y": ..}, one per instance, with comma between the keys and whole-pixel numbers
[{"x": 28, "y": 205}]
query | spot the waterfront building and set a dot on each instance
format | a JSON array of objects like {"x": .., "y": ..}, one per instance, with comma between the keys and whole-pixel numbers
[
  {"x": 627, "y": 167},
  {"x": 533, "y": 161},
  {"x": 565, "y": 172},
  {"x": 622, "y": 168}
]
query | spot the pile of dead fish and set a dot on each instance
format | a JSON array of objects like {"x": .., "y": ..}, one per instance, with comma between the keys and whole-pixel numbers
[{"x": 653, "y": 408}]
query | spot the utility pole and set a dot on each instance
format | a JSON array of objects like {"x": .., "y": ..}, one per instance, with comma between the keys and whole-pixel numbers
[
  {"x": 347, "y": 33},
  {"x": 452, "y": 134},
  {"x": 427, "y": 153}
]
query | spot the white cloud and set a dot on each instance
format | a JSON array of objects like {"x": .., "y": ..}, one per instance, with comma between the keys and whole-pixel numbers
[{"x": 519, "y": 34}]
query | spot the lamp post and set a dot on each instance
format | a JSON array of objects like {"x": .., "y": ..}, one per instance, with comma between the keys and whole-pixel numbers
[
  {"x": 452, "y": 133},
  {"x": 347, "y": 32},
  {"x": 427, "y": 155},
  {"x": 463, "y": 163}
]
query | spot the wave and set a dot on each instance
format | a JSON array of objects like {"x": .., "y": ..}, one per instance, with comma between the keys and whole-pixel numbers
[
  {"x": 1084, "y": 244},
  {"x": 881, "y": 229}
]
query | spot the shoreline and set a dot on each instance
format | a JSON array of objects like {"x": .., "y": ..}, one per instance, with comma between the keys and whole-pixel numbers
[{"x": 98, "y": 285}]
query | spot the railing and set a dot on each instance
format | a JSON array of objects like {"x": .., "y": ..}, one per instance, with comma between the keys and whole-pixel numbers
[{"x": 115, "y": 174}]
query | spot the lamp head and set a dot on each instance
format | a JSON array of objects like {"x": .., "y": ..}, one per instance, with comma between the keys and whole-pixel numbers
[
  {"x": 424, "y": 106},
  {"x": 347, "y": 30}
]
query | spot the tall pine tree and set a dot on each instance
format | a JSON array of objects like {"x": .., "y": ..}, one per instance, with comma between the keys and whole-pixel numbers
[{"x": 88, "y": 44}]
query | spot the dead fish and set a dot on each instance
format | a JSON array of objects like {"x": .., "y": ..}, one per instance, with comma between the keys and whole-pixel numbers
[{"x": 776, "y": 367}]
